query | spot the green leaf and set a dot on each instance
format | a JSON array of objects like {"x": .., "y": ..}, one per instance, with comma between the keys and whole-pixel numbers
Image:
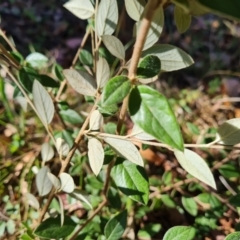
[
  {"x": 184, "y": 4},
  {"x": 103, "y": 72},
  {"x": 106, "y": 17},
  {"x": 82, "y": 196},
  {"x": 149, "y": 231},
  {"x": 71, "y": 116},
  {"x": 180, "y": 233},
  {"x": 114, "y": 198},
  {"x": 196, "y": 166},
  {"x": 151, "y": 111},
  {"x": 171, "y": 57},
  {"x": 10, "y": 226},
  {"x": 209, "y": 199},
  {"x": 86, "y": 57},
  {"x": 115, "y": 226},
  {"x": 229, "y": 132},
  {"x": 225, "y": 8},
  {"x": 51, "y": 228},
  {"x": 44, "y": 185},
  {"x": 235, "y": 200},
  {"x": 131, "y": 180},
  {"x": 37, "y": 60},
  {"x": 182, "y": 19},
  {"x": 58, "y": 72},
  {"x": 233, "y": 236},
  {"x": 190, "y": 205},
  {"x": 135, "y": 8},
  {"x": 80, "y": 8},
  {"x": 149, "y": 67},
  {"x": 115, "y": 90},
  {"x": 229, "y": 171},
  {"x": 167, "y": 200}
]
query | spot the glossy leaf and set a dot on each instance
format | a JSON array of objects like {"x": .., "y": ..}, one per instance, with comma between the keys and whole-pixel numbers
[
  {"x": 131, "y": 180},
  {"x": 95, "y": 155},
  {"x": 149, "y": 67},
  {"x": 37, "y": 60},
  {"x": 81, "y": 81},
  {"x": 71, "y": 116},
  {"x": 195, "y": 166},
  {"x": 32, "y": 200},
  {"x": 82, "y": 196},
  {"x": 233, "y": 236},
  {"x": 54, "y": 180},
  {"x": 51, "y": 228},
  {"x": 229, "y": 132},
  {"x": 67, "y": 183},
  {"x": 151, "y": 111},
  {"x": 135, "y": 8},
  {"x": 137, "y": 132},
  {"x": 224, "y": 8},
  {"x": 180, "y": 233},
  {"x": 125, "y": 149},
  {"x": 103, "y": 72},
  {"x": 182, "y": 19},
  {"x": 62, "y": 147},
  {"x": 43, "y": 103},
  {"x": 80, "y": 8},
  {"x": 155, "y": 28},
  {"x": 47, "y": 152},
  {"x": 114, "y": 46},
  {"x": 86, "y": 57},
  {"x": 106, "y": 17},
  {"x": 190, "y": 205},
  {"x": 44, "y": 185},
  {"x": 171, "y": 57},
  {"x": 96, "y": 121},
  {"x": 115, "y": 90},
  {"x": 115, "y": 227}
]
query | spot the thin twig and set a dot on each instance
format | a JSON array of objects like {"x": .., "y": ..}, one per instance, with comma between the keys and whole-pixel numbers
[{"x": 8, "y": 41}]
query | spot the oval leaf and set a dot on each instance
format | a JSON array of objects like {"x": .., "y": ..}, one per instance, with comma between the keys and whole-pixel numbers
[
  {"x": 115, "y": 90},
  {"x": 172, "y": 58},
  {"x": 86, "y": 57},
  {"x": 155, "y": 28},
  {"x": 115, "y": 227},
  {"x": 44, "y": 185},
  {"x": 32, "y": 200},
  {"x": 54, "y": 180},
  {"x": 195, "y": 166},
  {"x": 80, "y": 8},
  {"x": 149, "y": 67},
  {"x": 103, "y": 72},
  {"x": 125, "y": 149},
  {"x": 180, "y": 233},
  {"x": 96, "y": 121},
  {"x": 47, "y": 152},
  {"x": 135, "y": 8},
  {"x": 71, "y": 116},
  {"x": 62, "y": 147},
  {"x": 182, "y": 19},
  {"x": 229, "y": 132},
  {"x": 131, "y": 180},
  {"x": 81, "y": 81},
  {"x": 106, "y": 17},
  {"x": 190, "y": 205},
  {"x": 233, "y": 236},
  {"x": 67, "y": 183},
  {"x": 95, "y": 155},
  {"x": 151, "y": 111},
  {"x": 37, "y": 60},
  {"x": 52, "y": 228},
  {"x": 43, "y": 103},
  {"x": 114, "y": 46}
]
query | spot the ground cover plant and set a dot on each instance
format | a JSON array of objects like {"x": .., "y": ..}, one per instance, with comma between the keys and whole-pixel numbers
[{"x": 76, "y": 138}]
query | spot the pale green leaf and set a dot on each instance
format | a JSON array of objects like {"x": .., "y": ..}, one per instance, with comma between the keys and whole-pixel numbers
[
  {"x": 125, "y": 149},
  {"x": 137, "y": 132},
  {"x": 10, "y": 226},
  {"x": 182, "y": 19},
  {"x": 229, "y": 132},
  {"x": 54, "y": 180},
  {"x": 95, "y": 155},
  {"x": 80, "y": 8},
  {"x": 171, "y": 57},
  {"x": 62, "y": 147},
  {"x": 195, "y": 166},
  {"x": 190, "y": 205},
  {"x": 32, "y": 200},
  {"x": 148, "y": 80},
  {"x": 82, "y": 196},
  {"x": 47, "y": 152},
  {"x": 81, "y": 81},
  {"x": 96, "y": 121},
  {"x": 106, "y": 17},
  {"x": 37, "y": 60},
  {"x": 180, "y": 233},
  {"x": 67, "y": 183},
  {"x": 155, "y": 28},
  {"x": 135, "y": 8},
  {"x": 22, "y": 102},
  {"x": 114, "y": 46},
  {"x": 43, "y": 103},
  {"x": 103, "y": 72},
  {"x": 44, "y": 185}
]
